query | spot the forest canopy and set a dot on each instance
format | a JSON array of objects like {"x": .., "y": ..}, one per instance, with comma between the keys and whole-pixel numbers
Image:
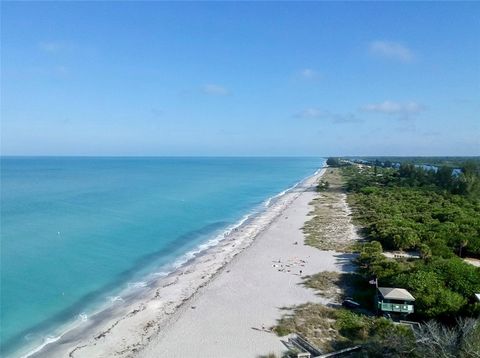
[{"x": 433, "y": 211}]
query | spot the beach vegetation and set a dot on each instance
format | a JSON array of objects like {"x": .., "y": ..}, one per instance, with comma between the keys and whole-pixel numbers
[
  {"x": 269, "y": 355},
  {"x": 461, "y": 340},
  {"x": 314, "y": 321},
  {"x": 433, "y": 212},
  {"x": 332, "y": 329},
  {"x": 333, "y": 162},
  {"x": 323, "y": 185},
  {"x": 327, "y": 284},
  {"x": 327, "y": 228},
  {"x": 403, "y": 207},
  {"x": 378, "y": 336},
  {"x": 336, "y": 286}
]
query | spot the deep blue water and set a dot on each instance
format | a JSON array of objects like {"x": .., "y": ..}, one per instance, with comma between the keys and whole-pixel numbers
[{"x": 74, "y": 230}]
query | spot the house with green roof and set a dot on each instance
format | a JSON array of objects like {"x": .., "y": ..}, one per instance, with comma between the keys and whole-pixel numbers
[{"x": 394, "y": 300}]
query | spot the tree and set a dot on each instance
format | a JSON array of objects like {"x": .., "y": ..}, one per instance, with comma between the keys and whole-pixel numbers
[
  {"x": 333, "y": 162},
  {"x": 432, "y": 298},
  {"x": 469, "y": 179},
  {"x": 443, "y": 178},
  {"x": 435, "y": 340},
  {"x": 389, "y": 340},
  {"x": 457, "y": 275},
  {"x": 425, "y": 251}
]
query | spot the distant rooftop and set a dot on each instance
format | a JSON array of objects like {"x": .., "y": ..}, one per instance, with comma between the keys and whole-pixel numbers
[
  {"x": 402, "y": 254},
  {"x": 392, "y": 293}
]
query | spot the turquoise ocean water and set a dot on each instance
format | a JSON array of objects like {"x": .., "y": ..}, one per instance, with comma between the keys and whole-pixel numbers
[{"x": 74, "y": 231}]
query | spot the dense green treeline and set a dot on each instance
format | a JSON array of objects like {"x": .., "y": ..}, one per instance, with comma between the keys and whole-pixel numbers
[
  {"x": 403, "y": 207},
  {"x": 451, "y": 162},
  {"x": 414, "y": 208},
  {"x": 443, "y": 288},
  {"x": 434, "y": 212}
]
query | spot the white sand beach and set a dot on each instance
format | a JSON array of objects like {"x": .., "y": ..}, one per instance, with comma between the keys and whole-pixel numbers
[
  {"x": 232, "y": 314},
  {"x": 220, "y": 304}
]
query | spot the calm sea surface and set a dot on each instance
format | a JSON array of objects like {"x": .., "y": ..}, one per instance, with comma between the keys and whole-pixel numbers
[{"x": 76, "y": 230}]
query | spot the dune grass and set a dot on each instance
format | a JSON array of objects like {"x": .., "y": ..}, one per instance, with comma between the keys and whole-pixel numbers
[
  {"x": 335, "y": 286},
  {"x": 329, "y": 226},
  {"x": 311, "y": 320}
]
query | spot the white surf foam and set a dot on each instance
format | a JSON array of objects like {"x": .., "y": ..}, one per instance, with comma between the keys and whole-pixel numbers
[
  {"x": 114, "y": 299},
  {"x": 83, "y": 317},
  {"x": 138, "y": 284}
]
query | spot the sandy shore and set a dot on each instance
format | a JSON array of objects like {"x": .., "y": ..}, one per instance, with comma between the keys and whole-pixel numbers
[
  {"x": 226, "y": 317},
  {"x": 217, "y": 304}
]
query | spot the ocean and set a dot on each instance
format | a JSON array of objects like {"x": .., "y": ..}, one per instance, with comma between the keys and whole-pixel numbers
[{"x": 76, "y": 231}]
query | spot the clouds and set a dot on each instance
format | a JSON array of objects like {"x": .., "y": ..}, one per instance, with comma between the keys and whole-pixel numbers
[
  {"x": 215, "y": 90},
  {"x": 337, "y": 118},
  {"x": 401, "y": 110},
  {"x": 391, "y": 50},
  {"x": 309, "y": 74},
  {"x": 391, "y": 107},
  {"x": 344, "y": 118},
  {"x": 309, "y": 113}
]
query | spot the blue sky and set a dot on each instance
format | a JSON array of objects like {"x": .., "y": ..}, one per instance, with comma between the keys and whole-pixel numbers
[{"x": 133, "y": 78}]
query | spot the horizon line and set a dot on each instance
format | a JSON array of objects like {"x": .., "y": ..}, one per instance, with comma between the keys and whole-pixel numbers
[{"x": 232, "y": 156}]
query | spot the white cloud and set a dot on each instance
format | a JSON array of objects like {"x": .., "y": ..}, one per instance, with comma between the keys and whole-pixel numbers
[
  {"x": 344, "y": 118},
  {"x": 333, "y": 117},
  {"x": 391, "y": 50},
  {"x": 402, "y": 110},
  {"x": 391, "y": 107},
  {"x": 309, "y": 113},
  {"x": 309, "y": 74},
  {"x": 215, "y": 90}
]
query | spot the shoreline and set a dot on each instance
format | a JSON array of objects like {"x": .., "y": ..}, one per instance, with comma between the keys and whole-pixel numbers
[
  {"x": 233, "y": 314},
  {"x": 164, "y": 296}
]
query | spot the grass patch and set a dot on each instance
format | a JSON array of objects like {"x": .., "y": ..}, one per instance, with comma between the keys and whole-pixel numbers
[
  {"x": 336, "y": 286},
  {"x": 330, "y": 225},
  {"x": 332, "y": 329},
  {"x": 316, "y": 322},
  {"x": 328, "y": 284}
]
